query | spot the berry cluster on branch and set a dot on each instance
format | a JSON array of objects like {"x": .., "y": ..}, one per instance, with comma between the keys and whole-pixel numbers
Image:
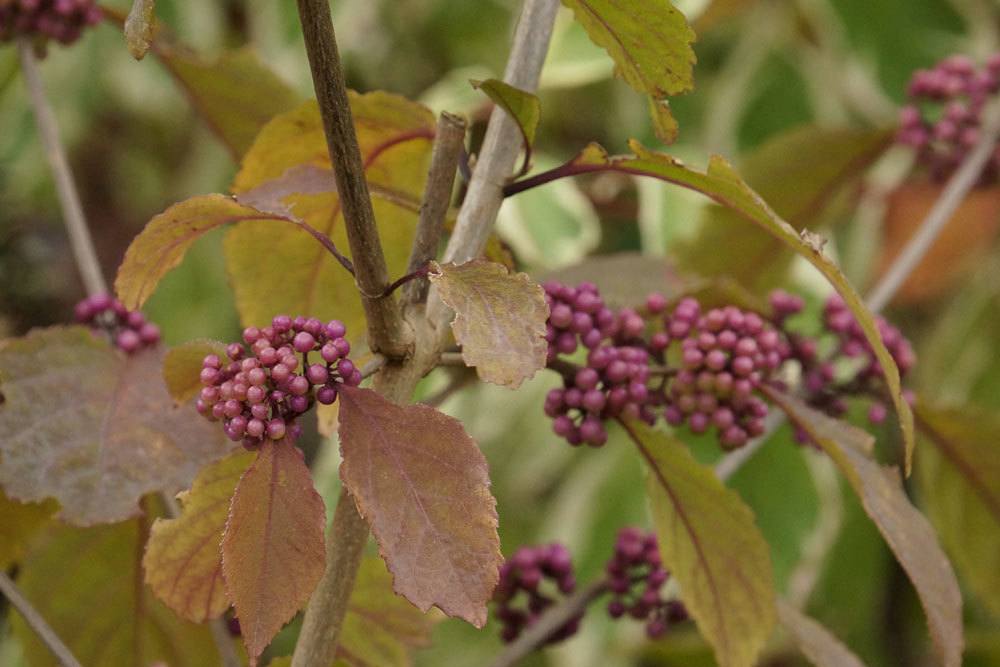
[
  {"x": 942, "y": 120},
  {"x": 542, "y": 573},
  {"x": 703, "y": 368},
  {"x": 262, "y": 386},
  {"x": 128, "y": 329},
  {"x": 61, "y": 20},
  {"x": 636, "y": 577}
]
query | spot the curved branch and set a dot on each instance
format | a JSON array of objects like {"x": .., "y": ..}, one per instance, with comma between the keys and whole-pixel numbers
[{"x": 36, "y": 622}]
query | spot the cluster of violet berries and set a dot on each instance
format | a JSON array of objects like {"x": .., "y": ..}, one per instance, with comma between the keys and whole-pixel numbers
[
  {"x": 534, "y": 577},
  {"x": 128, "y": 329},
  {"x": 541, "y": 573},
  {"x": 709, "y": 364},
  {"x": 61, "y": 20},
  {"x": 636, "y": 577},
  {"x": 262, "y": 387},
  {"x": 942, "y": 120}
]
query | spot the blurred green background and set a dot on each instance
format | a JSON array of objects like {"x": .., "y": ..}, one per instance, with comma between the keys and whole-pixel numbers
[{"x": 764, "y": 69}]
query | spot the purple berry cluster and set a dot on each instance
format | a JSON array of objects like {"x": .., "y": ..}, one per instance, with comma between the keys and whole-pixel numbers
[
  {"x": 260, "y": 389},
  {"x": 527, "y": 571},
  {"x": 635, "y": 578},
  {"x": 576, "y": 315},
  {"x": 942, "y": 120},
  {"x": 61, "y": 20},
  {"x": 128, "y": 329},
  {"x": 725, "y": 355}
]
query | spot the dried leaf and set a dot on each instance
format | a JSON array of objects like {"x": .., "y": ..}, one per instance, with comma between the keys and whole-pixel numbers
[
  {"x": 87, "y": 585},
  {"x": 959, "y": 476},
  {"x": 814, "y": 640},
  {"x": 395, "y": 140},
  {"x": 273, "y": 553},
  {"x": 380, "y": 627},
  {"x": 182, "y": 367},
  {"x": 721, "y": 183},
  {"x": 423, "y": 485},
  {"x": 139, "y": 27},
  {"x": 19, "y": 522},
  {"x": 905, "y": 530},
  {"x": 92, "y": 428},
  {"x": 499, "y": 319},
  {"x": 521, "y": 105},
  {"x": 183, "y": 560},
  {"x": 711, "y": 546},
  {"x": 650, "y": 43}
]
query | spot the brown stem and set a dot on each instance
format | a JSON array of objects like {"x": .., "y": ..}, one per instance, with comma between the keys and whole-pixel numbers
[
  {"x": 386, "y": 331},
  {"x": 449, "y": 143},
  {"x": 550, "y": 622},
  {"x": 36, "y": 622}
]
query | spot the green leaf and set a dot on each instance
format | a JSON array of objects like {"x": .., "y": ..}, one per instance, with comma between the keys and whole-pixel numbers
[
  {"x": 139, "y": 27},
  {"x": 814, "y": 640},
  {"x": 182, "y": 367},
  {"x": 650, "y": 43},
  {"x": 289, "y": 157},
  {"x": 183, "y": 561},
  {"x": 499, "y": 319},
  {"x": 380, "y": 627},
  {"x": 235, "y": 94},
  {"x": 87, "y": 585},
  {"x": 959, "y": 476},
  {"x": 906, "y": 531},
  {"x": 423, "y": 486},
  {"x": 721, "y": 183},
  {"x": 273, "y": 551},
  {"x": 798, "y": 173},
  {"x": 711, "y": 546},
  {"x": 92, "y": 428},
  {"x": 521, "y": 105},
  {"x": 19, "y": 522}
]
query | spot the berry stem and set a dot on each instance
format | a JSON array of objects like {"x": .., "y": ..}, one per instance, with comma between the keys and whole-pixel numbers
[
  {"x": 549, "y": 623},
  {"x": 48, "y": 131},
  {"x": 36, "y": 622},
  {"x": 449, "y": 143},
  {"x": 954, "y": 193},
  {"x": 386, "y": 330}
]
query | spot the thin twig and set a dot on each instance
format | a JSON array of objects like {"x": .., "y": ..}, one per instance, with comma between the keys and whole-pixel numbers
[
  {"x": 76, "y": 225},
  {"x": 406, "y": 279},
  {"x": 458, "y": 381},
  {"x": 372, "y": 367},
  {"x": 449, "y": 142},
  {"x": 386, "y": 331},
  {"x": 550, "y": 622},
  {"x": 36, "y": 622},
  {"x": 954, "y": 193},
  {"x": 451, "y": 359},
  {"x": 327, "y": 243}
]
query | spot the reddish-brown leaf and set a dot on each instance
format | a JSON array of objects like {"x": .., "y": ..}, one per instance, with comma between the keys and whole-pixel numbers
[
  {"x": 423, "y": 485},
  {"x": 499, "y": 319},
  {"x": 906, "y": 530},
  {"x": 94, "y": 429},
  {"x": 273, "y": 553},
  {"x": 183, "y": 561}
]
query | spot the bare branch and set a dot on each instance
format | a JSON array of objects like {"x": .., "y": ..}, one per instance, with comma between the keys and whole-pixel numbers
[{"x": 36, "y": 622}]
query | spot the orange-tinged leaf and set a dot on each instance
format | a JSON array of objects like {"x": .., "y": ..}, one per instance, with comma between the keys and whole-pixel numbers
[
  {"x": 283, "y": 166},
  {"x": 183, "y": 560},
  {"x": 499, "y": 319},
  {"x": 722, "y": 184},
  {"x": 182, "y": 367},
  {"x": 273, "y": 552},
  {"x": 86, "y": 583},
  {"x": 92, "y": 428},
  {"x": 711, "y": 546},
  {"x": 906, "y": 530},
  {"x": 423, "y": 485},
  {"x": 19, "y": 522},
  {"x": 815, "y": 641}
]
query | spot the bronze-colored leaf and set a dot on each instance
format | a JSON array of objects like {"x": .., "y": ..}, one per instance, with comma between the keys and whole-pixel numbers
[
  {"x": 815, "y": 641},
  {"x": 906, "y": 531},
  {"x": 711, "y": 545},
  {"x": 182, "y": 367},
  {"x": 423, "y": 485},
  {"x": 183, "y": 560},
  {"x": 499, "y": 319},
  {"x": 273, "y": 553},
  {"x": 94, "y": 429}
]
